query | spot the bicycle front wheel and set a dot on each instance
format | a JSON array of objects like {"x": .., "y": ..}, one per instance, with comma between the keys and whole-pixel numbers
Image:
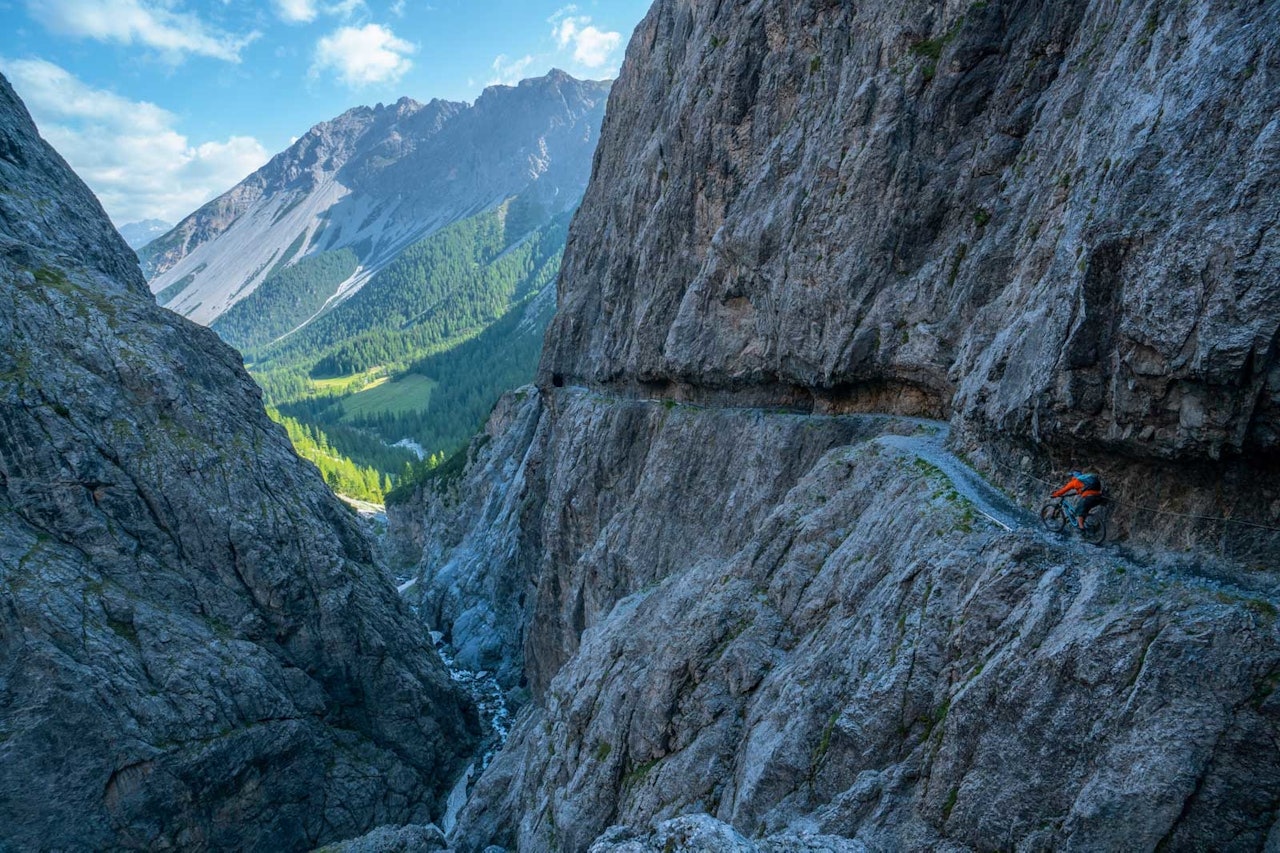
[{"x": 1052, "y": 517}]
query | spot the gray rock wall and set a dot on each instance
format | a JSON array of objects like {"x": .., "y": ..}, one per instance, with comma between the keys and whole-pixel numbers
[
  {"x": 1055, "y": 221},
  {"x": 576, "y": 500},
  {"x": 1051, "y": 223},
  {"x": 866, "y": 656},
  {"x": 196, "y": 647}
]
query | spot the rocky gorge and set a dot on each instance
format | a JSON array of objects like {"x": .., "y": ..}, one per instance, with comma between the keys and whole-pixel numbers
[
  {"x": 738, "y": 608},
  {"x": 754, "y": 561}
]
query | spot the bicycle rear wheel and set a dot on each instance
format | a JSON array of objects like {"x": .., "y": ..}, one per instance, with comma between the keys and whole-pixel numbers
[
  {"x": 1095, "y": 527},
  {"x": 1052, "y": 517}
]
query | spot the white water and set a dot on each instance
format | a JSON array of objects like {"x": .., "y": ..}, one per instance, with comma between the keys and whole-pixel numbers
[
  {"x": 409, "y": 444},
  {"x": 484, "y": 690}
]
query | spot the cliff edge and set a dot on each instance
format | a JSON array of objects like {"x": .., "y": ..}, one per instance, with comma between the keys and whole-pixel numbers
[{"x": 1054, "y": 222}]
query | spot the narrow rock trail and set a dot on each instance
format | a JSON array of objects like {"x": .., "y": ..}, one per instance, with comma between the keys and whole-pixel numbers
[{"x": 928, "y": 444}]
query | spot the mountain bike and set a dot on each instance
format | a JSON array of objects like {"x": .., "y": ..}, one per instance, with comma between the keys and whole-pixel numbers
[{"x": 1057, "y": 512}]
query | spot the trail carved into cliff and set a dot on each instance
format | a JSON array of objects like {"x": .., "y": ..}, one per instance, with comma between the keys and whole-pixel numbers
[
  {"x": 927, "y": 443},
  {"x": 819, "y": 605}
]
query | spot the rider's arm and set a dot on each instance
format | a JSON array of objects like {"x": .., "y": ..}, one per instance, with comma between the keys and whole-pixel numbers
[{"x": 1073, "y": 486}]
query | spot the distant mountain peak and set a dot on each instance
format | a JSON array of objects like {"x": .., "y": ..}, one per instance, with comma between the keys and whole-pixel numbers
[
  {"x": 377, "y": 178},
  {"x": 139, "y": 234},
  {"x": 557, "y": 75}
]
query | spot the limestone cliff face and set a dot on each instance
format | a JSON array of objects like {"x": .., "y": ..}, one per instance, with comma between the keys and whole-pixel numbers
[
  {"x": 583, "y": 499},
  {"x": 731, "y": 590},
  {"x": 1054, "y": 220},
  {"x": 196, "y": 647},
  {"x": 786, "y": 622}
]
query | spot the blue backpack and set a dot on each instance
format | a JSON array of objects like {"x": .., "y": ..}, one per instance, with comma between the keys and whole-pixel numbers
[{"x": 1091, "y": 481}]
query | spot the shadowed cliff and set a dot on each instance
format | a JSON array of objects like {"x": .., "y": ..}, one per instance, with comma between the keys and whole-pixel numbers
[{"x": 196, "y": 647}]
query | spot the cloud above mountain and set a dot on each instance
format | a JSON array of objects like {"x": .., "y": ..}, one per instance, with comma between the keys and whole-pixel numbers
[
  {"x": 159, "y": 26},
  {"x": 591, "y": 46},
  {"x": 361, "y": 56},
  {"x": 593, "y": 51},
  {"x": 196, "y": 88},
  {"x": 146, "y": 169}
]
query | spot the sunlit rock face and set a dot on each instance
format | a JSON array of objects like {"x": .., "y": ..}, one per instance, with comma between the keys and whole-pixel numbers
[{"x": 703, "y": 551}]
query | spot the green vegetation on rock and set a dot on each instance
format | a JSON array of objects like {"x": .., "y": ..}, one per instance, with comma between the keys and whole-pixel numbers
[
  {"x": 439, "y": 292},
  {"x": 343, "y": 476}
]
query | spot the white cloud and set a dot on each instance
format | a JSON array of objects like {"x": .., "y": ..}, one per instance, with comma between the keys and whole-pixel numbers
[
  {"x": 128, "y": 152},
  {"x": 155, "y": 25},
  {"x": 364, "y": 55},
  {"x": 562, "y": 13},
  {"x": 591, "y": 46},
  {"x": 296, "y": 11},
  {"x": 306, "y": 11},
  {"x": 508, "y": 72},
  {"x": 591, "y": 49}
]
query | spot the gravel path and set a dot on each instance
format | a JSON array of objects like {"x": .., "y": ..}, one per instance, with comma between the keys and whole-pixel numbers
[{"x": 930, "y": 445}]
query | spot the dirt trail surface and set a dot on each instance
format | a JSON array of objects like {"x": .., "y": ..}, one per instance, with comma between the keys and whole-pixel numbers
[
  {"x": 927, "y": 443},
  {"x": 930, "y": 445}
]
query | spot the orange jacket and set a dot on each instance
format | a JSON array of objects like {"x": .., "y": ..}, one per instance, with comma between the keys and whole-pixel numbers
[{"x": 1076, "y": 486}]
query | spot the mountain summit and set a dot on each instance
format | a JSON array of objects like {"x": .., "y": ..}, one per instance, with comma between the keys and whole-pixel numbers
[
  {"x": 375, "y": 180},
  {"x": 139, "y": 234}
]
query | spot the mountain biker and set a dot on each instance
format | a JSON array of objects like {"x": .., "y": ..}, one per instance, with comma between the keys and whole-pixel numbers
[{"x": 1088, "y": 488}]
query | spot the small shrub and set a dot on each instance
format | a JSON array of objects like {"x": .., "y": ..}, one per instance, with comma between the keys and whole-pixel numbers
[{"x": 950, "y": 804}]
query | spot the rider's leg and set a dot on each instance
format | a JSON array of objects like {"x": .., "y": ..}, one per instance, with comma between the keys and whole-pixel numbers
[{"x": 1087, "y": 504}]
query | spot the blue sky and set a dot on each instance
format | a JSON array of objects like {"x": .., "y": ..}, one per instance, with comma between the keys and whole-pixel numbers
[{"x": 161, "y": 105}]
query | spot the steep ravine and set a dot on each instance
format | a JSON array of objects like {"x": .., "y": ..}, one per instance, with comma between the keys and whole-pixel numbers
[
  {"x": 723, "y": 583},
  {"x": 863, "y": 655},
  {"x": 197, "y": 648}
]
